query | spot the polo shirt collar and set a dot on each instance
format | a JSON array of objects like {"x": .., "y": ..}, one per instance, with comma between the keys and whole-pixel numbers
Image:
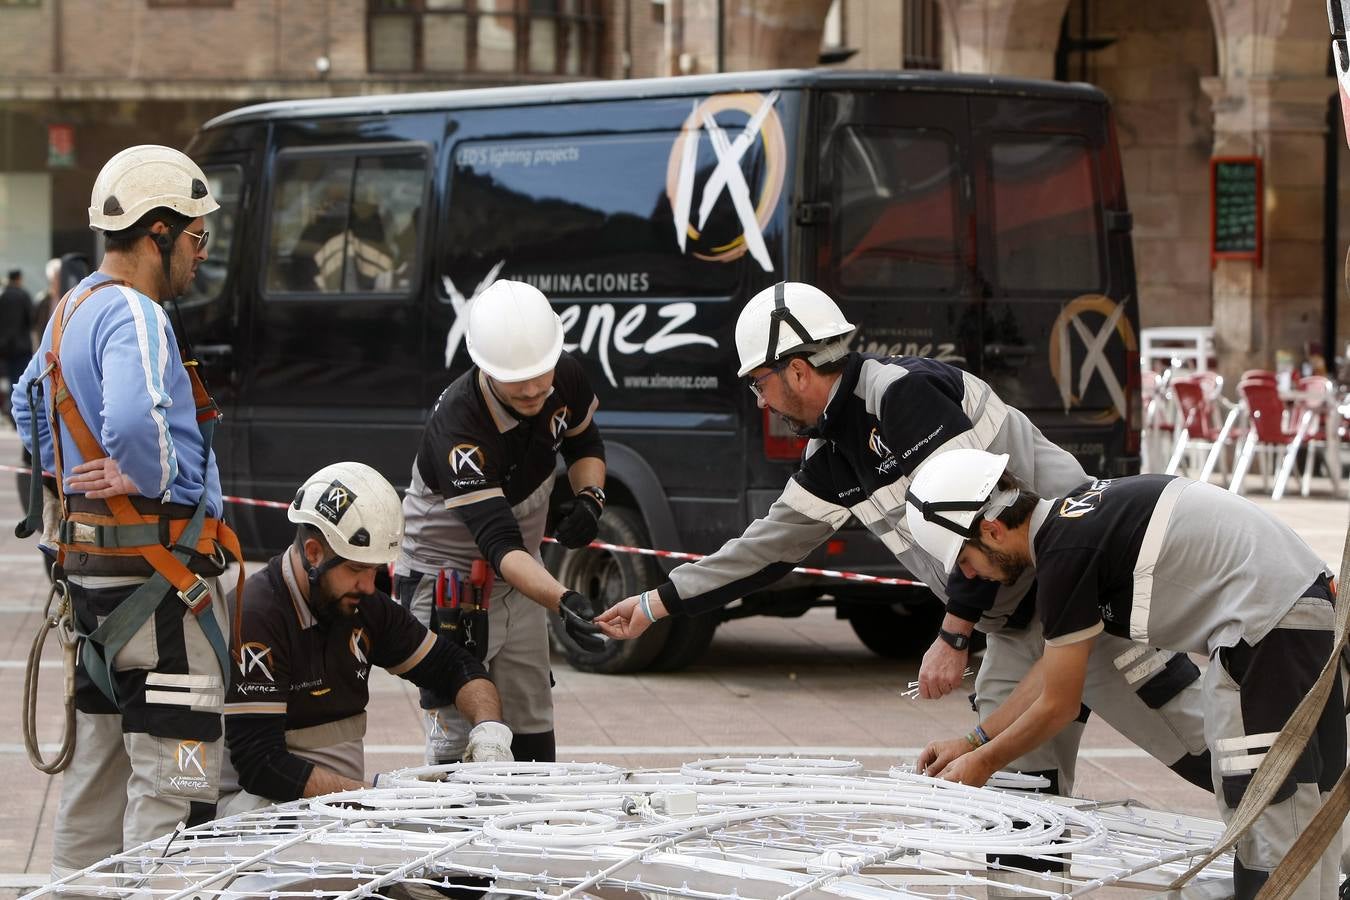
[
  {"x": 1038, "y": 517},
  {"x": 303, "y": 614}
]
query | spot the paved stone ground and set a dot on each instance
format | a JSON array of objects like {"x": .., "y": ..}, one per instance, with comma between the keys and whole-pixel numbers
[{"x": 766, "y": 686}]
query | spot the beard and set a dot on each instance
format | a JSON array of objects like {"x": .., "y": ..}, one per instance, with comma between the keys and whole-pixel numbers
[
  {"x": 329, "y": 608},
  {"x": 795, "y": 425},
  {"x": 1010, "y": 566},
  {"x": 793, "y": 415}
]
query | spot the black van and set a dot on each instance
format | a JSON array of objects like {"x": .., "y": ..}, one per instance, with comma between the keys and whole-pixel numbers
[{"x": 980, "y": 221}]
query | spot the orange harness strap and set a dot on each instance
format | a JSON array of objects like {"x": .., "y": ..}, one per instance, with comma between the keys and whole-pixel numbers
[{"x": 123, "y": 512}]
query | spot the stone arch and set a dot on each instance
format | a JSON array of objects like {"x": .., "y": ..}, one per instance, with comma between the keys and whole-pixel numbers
[
  {"x": 1272, "y": 37},
  {"x": 1003, "y": 37}
]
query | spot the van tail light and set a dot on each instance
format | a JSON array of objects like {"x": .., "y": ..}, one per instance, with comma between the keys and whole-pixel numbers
[
  {"x": 779, "y": 441},
  {"x": 1134, "y": 405}
]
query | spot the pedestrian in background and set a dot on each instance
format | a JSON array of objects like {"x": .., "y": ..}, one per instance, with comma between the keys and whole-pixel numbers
[{"x": 16, "y": 333}]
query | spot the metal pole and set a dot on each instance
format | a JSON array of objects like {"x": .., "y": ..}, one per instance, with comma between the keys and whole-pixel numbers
[{"x": 721, "y": 35}]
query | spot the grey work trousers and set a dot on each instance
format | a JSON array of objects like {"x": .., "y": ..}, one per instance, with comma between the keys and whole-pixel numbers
[
  {"x": 1250, "y": 692},
  {"x": 517, "y": 660},
  {"x": 1120, "y": 673},
  {"x": 153, "y": 760}
]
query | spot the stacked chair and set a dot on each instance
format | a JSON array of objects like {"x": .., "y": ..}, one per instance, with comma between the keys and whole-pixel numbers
[{"x": 1188, "y": 412}]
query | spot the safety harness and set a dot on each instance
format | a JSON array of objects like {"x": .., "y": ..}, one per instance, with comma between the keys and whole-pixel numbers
[{"x": 161, "y": 536}]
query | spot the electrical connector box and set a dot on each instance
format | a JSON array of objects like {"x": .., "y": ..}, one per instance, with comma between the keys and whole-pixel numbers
[{"x": 678, "y": 803}]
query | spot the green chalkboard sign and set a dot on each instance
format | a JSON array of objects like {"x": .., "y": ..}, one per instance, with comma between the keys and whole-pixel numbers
[{"x": 1235, "y": 184}]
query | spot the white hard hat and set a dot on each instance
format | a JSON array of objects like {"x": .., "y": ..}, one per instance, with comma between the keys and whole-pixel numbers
[
  {"x": 355, "y": 508},
  {"x": 143, "y": 178},
  {"x": 513, "y": 334},
  {"x": 949, "y": 494},
  {"x": 790, "y": 317}
]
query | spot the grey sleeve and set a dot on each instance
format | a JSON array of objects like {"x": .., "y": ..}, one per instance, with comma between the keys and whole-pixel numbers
[
  {"x": 797, "y": 523},
  {"x": 1047, "y": 468}
]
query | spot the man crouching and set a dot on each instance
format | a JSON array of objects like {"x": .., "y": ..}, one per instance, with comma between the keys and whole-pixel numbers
[{"x": 313, "y": 625}]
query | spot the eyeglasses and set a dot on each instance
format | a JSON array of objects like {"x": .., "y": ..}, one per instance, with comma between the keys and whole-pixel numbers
[
  {"x": 201, "y": 239},
  {"x": 756, "y": 384}
]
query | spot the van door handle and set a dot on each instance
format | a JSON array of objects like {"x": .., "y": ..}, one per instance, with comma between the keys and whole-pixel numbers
[
  {"x": 1013, "y": 352},
  {"x": 215, "y": 354}
]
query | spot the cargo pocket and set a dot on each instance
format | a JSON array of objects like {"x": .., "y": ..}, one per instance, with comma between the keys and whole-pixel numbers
[{"x": 141, "y": 652}]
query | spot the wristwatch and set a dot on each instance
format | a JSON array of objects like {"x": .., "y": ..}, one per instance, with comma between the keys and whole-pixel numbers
[
  {"x": 596, "y": 492},
  {"x": 957, "y": 641}
]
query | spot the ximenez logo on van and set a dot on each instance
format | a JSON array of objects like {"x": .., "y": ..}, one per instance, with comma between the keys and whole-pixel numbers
[
  {"x": 604, "y": 329},
  {"x": 754, "y": 208},
  {"x": 1093, "y": 319}
]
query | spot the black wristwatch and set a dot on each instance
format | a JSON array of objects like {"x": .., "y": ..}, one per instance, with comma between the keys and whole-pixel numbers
[
  {"x": 957, "y": 641},
  {"x": 596, "y": 492}
]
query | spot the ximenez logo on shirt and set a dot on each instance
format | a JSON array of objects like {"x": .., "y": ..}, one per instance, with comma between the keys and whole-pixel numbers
[
  {"x": 255, "y": 659},
  {"x": 465, "y": 459},
  {"x": 558, "y": 424}
]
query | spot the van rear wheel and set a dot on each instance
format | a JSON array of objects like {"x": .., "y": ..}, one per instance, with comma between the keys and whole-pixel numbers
[
  {"x": 897, "y": 631},
  {"x": 605, "y": 578},
  {"x": 688, "y": 640}
]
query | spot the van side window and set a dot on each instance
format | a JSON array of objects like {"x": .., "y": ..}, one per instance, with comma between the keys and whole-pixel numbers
[
  {"x": 593, "y": 216},
  {"x": 1046, "y": 231},
  {"x": 346, "y": 224},
  {"x": 225, "y": 183},
  {"x": 894, "y": 209}
]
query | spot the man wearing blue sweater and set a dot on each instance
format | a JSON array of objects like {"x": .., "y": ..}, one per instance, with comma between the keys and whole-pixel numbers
[{"x": 139, "y": 478}]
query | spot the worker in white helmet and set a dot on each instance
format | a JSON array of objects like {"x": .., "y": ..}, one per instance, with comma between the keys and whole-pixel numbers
[
  {"x": 1178, "y": 564},
  {"x": 141, "y": 541},
  {"x": 313, "y": 626},
  {"x": 871, "y": 422},
  {"x": 477, "y": 508}
]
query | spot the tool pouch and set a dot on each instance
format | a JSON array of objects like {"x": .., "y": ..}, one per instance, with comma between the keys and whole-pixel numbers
[{"x": 473, "y": 627}]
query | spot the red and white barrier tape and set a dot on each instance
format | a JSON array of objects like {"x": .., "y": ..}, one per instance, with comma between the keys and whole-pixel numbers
[
  {"x": 612, "y": 548},
  {"x": 800, "y": 570}
]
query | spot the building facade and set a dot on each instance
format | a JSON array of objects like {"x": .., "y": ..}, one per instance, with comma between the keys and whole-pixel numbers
[{"x": 1190, "y": 81}]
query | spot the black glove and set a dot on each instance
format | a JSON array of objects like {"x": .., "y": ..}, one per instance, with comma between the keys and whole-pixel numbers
[
  {"x": 579, "y": 521},
  {"x": 578, "y": 621}
]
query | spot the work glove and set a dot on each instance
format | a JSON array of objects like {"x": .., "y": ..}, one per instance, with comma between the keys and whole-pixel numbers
[
  {"x": 489, "y": 741},
  {"x": 579, "y": 521},
  {"x": 579, "y": 622}
]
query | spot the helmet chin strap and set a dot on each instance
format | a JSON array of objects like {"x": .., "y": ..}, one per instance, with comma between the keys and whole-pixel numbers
[
  {"x": 165, "y": 242},
  {"x": 314, "y": 573}
]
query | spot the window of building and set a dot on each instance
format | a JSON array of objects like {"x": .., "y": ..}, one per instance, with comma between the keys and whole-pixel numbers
[
  {"x": 346, "y": 224},
  {"x": 535, "y": 37},
  {"x": 922, "y": 34},
  {"x": 225, "y": 184},
  {"x": 1047, "y": 234},
  {"x": 895, "y": 210}
]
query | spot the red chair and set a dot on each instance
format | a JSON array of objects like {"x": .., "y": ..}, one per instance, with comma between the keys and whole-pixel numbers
[
  {"x": 1316, "y": 395},
  {"x": 1267, "y": 432},
  {"x": 1259, "y": 375},
  {"x": 1199, "y": 431}
]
